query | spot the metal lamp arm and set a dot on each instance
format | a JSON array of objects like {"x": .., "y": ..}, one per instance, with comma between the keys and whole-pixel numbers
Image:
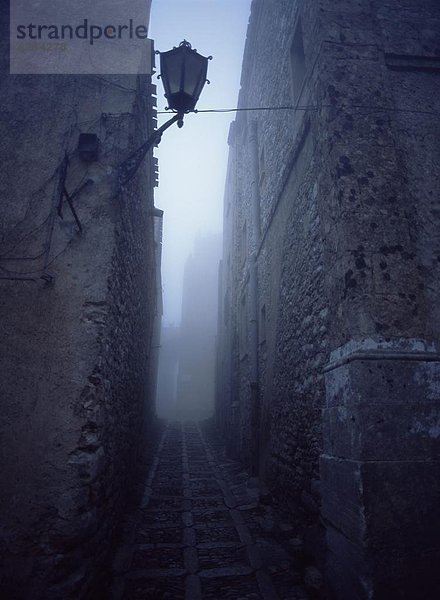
[{"x": 128, "y": 168}]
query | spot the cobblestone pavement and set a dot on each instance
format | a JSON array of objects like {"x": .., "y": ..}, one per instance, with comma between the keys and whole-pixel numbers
[{"x": 201, "y": 532}]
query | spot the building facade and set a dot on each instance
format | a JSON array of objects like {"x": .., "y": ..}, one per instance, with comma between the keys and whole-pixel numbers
[
  {"x": 78, "y": 307},
  {"x": 328, "y": 346}
]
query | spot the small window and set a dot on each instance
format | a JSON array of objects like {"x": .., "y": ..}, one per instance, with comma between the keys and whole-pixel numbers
[{"x": 298, "y": 62}]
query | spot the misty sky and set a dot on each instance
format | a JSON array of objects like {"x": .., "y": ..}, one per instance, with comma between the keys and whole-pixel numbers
[{"x": 192, "y": 160}]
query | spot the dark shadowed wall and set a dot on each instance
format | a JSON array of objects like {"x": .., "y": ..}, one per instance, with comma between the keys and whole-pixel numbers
[
  {"x": 77, "y": 311},
  {"x": 328, "y": 375}
]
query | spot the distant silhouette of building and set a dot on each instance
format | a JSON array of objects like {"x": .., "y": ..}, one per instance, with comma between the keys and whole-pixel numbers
[{"x": 195, "y": 383}]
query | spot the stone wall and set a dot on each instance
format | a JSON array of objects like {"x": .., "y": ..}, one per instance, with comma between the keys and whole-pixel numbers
[
  {"x": 77, "y": 311},
  {"x": 379, "y": 90},
  {"x": 346, "y": 248},
  {"x": 292, "y": 341}
]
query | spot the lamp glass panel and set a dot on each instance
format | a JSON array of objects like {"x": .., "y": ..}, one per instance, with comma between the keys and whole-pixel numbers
[
  {"x": 195, "y": 68},
  {"x": 171, "y": 67}
]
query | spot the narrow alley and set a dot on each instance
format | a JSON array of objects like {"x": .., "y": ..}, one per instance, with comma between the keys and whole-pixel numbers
[{"x": 203, "y": 532}]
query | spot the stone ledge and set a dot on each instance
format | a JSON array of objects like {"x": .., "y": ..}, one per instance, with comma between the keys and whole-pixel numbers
[{"x": 402, "y": 349}]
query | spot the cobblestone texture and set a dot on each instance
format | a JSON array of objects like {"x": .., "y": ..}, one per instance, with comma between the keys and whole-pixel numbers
[{"x": 201, "y": 531}]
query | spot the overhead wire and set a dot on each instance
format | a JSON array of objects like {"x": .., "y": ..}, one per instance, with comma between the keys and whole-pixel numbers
[
  {"x": 92, "y": 122},
  {"x": 306, "y": 108}
]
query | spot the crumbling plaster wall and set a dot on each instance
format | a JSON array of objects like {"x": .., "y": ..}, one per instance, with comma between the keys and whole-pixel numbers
[{"x": 76, "y": 344}]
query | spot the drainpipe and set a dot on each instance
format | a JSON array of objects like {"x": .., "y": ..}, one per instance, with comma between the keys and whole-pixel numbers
[
  {"x": 253, "y": 308},
  {"x": 255, "y": 184}
]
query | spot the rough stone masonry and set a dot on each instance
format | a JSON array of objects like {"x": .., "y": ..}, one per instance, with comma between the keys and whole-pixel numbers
[
  {"x": 78, "y": 302},
  {"x": 330, "y": 283}
]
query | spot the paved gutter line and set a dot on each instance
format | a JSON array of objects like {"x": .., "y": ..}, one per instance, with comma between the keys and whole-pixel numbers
[{"x": 264, "y": 580}]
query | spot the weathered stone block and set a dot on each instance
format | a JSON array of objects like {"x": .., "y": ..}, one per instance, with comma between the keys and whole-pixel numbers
[
  {"x": 346, "y": 562},
  {"x": 400, "y": 545},
  {"x": 382, "y": 431},
  {"x": 393, "y": 372},
  {"x": 400, "y": 502},
  {"x": 381, "y": 473},
  {"x": 342, "y": 502},
  {"x": 414, "y": 575}
]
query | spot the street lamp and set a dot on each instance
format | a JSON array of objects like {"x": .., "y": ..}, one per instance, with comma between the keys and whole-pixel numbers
[{"x": 183, "y": 74}]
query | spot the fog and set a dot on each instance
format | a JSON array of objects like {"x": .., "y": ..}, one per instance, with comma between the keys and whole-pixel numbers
[
  {"x": 187, "y": 361},
  {"x": 192, "y": 162}
]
